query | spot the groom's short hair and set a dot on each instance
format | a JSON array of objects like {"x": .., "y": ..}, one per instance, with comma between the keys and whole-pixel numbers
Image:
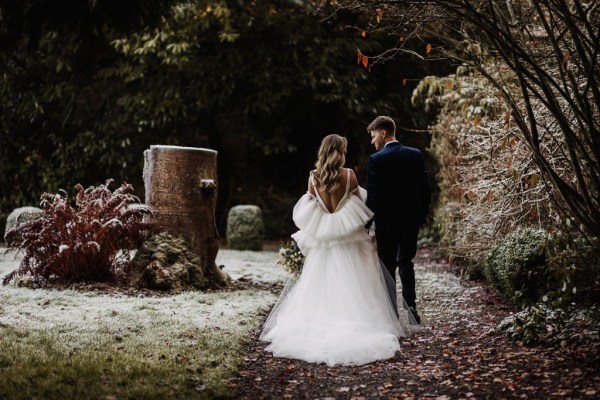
[{"x": 383, "y": 122}]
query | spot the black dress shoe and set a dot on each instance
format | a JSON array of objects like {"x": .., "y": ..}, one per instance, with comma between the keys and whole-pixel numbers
[{"x": 416, "y": 319}]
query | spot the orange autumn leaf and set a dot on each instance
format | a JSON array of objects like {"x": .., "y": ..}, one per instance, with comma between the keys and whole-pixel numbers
[
  {"x": 363, "y": 34},
  {"x": 534, "y": 180},
  {"x": 365, "y": 61},
  {"x": 428, "y": 48},
  {"x": 506, "y": 119},
  {"x": 359, "y": 57},
  {"x": 513, "y": 142},
  {"x": 476, "y": 121},
  {"x": 534, "y": 214},
  {"x": 566, "y": 56},
  {"x": 509, "y": 162},
  {"x": 448, "y": 85},
  {"x": 402, "y": 38}
]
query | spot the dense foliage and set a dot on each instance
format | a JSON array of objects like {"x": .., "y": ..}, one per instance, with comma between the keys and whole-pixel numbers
[
  {"x": 29, "y": 20},
  {"x": 541, "y": 56},
  {"x": 245, "y": 228},
  {"x": 260, "y": 82},
  {"x": 543, "y": 324},
  {"x": 512, "y": 140},
  {"x": 517, "y": 266},
  {"x": 488, "y": 184},
  {"x": 88, "y": 242},
  {"x": 498, "y": 216}
]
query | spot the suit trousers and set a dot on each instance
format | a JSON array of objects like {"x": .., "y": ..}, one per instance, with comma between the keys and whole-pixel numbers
[{"x": 396, "y": 249}]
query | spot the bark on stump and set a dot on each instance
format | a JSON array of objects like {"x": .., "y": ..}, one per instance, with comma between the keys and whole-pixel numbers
[{"x": 181, "y": 186}]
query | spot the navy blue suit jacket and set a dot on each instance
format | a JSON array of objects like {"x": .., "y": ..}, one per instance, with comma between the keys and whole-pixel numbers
[{"x": 398, "y": 190}]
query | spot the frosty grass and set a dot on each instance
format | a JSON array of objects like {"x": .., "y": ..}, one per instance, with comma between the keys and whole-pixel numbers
[{"x": 71, "y": 344}]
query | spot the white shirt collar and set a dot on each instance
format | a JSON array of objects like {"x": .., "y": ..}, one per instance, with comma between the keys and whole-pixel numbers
[{"x": 391, "y": 141}]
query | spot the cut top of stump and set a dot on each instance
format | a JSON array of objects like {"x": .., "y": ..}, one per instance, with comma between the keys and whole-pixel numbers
[{"x": 181, "y": 148}]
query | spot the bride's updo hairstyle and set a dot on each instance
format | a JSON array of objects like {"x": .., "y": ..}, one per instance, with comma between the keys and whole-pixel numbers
[{"x": 332, "y": 156}]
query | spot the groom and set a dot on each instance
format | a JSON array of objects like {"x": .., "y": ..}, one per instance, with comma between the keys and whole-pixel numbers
[{"x": 398, "y": 194}]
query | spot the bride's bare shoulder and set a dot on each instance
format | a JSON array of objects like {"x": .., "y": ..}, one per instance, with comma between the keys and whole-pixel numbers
[
  {"x": 311, "y": 182},
  {"x": 353, "y": 179}
]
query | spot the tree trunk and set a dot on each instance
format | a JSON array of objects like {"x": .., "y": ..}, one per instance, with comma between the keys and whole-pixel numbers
[{"x": 181, "y": 186}]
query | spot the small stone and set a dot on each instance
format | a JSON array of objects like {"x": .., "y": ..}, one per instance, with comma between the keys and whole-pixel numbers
[{"x": 19, "y": 216}]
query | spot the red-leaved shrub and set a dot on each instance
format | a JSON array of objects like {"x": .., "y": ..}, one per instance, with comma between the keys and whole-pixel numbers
[{"x": 88, "y": 242}]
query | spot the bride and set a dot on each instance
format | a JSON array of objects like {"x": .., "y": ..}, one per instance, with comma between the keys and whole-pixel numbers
[{"x": 342, "y": 308}]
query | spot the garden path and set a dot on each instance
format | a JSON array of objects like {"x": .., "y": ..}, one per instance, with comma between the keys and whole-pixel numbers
[{"x": 458, "y": 354}]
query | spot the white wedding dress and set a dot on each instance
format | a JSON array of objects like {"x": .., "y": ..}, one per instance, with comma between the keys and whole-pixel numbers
[{"x": 339, "y": 311}]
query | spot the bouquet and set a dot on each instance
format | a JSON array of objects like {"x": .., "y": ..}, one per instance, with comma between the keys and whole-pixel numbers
[{"x": 291, "y": 258}]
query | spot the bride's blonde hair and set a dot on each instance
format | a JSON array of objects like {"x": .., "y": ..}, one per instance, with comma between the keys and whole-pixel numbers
[{"x": 332, "y": 156}]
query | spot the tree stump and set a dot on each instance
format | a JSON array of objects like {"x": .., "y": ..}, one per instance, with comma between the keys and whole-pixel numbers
[{"x": 181, "y": 186}]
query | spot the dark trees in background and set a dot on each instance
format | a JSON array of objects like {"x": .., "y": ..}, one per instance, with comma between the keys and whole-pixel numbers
[
  {"x": 57, "y": 122},
  {"x": 260, "y": 82}
]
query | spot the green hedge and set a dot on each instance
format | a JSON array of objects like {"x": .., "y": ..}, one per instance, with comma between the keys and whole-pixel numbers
[
  {"x": 245, "y": 228},
  {"x": 554, "y": 278},
  {"x": 517, "y": 266}
]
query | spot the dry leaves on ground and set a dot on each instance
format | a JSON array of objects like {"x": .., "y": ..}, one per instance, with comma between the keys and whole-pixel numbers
[{"x": 458, "y": 354}]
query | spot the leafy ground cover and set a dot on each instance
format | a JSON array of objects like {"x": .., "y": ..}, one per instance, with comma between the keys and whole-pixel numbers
[{"x": 458, "y": 354}]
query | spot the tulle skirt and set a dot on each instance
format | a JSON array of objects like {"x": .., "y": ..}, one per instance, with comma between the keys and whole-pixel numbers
[{"x": 339, "y": 310}]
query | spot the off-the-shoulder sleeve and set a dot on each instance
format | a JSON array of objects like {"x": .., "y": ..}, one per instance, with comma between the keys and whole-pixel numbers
[
  {"x": 361, "y": 193},
  {"x": 320, "y": 228}
]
